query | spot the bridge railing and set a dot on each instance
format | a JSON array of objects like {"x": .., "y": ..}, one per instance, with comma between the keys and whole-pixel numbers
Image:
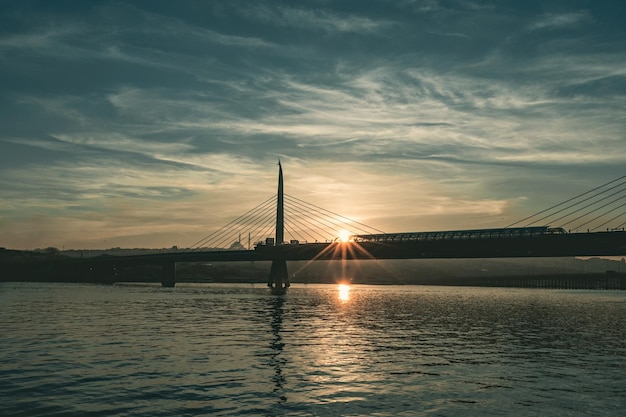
[{"x": 512, "y": 232}]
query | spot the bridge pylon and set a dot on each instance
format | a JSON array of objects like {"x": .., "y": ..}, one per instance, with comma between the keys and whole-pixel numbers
[
  {"x": 278, "y": 277},
  {"x": 169, "y": 274}
]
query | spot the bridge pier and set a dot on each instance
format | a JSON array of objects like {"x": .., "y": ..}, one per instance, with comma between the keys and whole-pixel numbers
[
  {"x": 278, "y": 277},
  {"x": 169, "y": 274}
]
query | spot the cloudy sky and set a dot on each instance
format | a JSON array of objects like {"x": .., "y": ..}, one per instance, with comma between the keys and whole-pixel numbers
[{"x": 152, "y": 123}]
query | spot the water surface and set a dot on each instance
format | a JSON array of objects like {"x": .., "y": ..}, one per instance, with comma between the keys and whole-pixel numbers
[{"x": 71, "y": 349}]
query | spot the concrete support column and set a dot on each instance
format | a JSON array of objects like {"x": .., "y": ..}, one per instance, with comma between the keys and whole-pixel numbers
[
  {"x": 169, "y": 274},
  {"x": 278, "y": 277}
]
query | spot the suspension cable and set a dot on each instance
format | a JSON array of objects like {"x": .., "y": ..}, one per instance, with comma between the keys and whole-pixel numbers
[
  {"x": 610, "y": 220},
  {"x": 582, "y": 208},
  {"x": 346, "y": 219},
  {"x": 201, "y": 241},
  {"x": 591, "y": 211},
  {"x": 565, "y": 202}
]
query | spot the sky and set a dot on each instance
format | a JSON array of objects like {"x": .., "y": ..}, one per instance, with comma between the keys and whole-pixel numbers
[{"x": 153, "y": 123}]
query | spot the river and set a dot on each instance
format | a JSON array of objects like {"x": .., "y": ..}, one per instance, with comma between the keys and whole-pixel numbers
[{"x": 318, "y": 350}]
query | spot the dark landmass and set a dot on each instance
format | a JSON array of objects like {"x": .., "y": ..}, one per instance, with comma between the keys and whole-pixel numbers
[{"x": 516, "y": 272}]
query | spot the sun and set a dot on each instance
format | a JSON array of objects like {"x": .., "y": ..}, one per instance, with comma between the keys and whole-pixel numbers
[{"x": 344, "y": 236}]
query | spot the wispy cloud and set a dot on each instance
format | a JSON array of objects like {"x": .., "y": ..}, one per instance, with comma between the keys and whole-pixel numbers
[
  {"x": 40, "y": 39},
  {"x": 562, "y": 20},
  {"x": 316, "y": 19},
  {"x": 411, "y": 115}
]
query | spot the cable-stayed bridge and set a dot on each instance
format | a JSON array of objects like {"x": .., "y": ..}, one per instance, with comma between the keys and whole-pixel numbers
[
  {"x": 285, "y": 228},
  {"x": 600, "y": 209}
]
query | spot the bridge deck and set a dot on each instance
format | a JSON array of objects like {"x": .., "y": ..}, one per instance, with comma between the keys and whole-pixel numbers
[
  {"x": 104, "y": 269},
  {"x": 535, "y": 245},
  {"x": 544, "y": 245}
]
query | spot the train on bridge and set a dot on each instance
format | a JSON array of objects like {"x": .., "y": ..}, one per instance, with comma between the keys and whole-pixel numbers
[{"x": 471, "y": 234}]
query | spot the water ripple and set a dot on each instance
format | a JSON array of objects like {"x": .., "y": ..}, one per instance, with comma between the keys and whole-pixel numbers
[{"x": 225, "y": 350}]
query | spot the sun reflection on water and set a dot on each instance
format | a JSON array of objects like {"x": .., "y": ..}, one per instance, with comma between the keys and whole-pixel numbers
[{"x": 344, "y": 292}]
